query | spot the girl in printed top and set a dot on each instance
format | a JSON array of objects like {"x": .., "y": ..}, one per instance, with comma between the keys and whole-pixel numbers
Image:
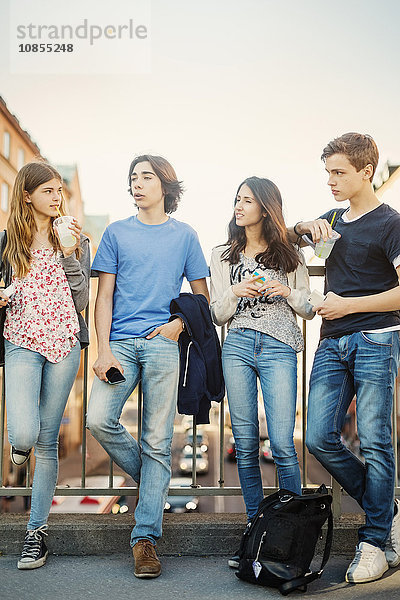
[
  {"x": 43, "y": 334},
  {"x": 263, "y": 336}
]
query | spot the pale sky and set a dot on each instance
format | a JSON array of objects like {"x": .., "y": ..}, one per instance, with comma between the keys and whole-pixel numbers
[{"x": 236, "y": 88}]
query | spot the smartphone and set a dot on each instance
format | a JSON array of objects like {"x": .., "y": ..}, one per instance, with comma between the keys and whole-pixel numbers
[
  {"x": 316, "y": 298},
  {"x": 114, "y": 376}
]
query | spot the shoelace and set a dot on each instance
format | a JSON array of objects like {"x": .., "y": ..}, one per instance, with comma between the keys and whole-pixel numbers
[
  {"x": 148, "y": 549},
  {"x": 366, "y": 555},
  {"x": 33, "y": 541}
]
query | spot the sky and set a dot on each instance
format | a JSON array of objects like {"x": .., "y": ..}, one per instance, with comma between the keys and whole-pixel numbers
[{"x": 230, "y": 89}]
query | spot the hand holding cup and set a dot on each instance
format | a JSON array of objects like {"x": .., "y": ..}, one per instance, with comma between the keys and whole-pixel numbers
[{"x": 68, "y": 232}]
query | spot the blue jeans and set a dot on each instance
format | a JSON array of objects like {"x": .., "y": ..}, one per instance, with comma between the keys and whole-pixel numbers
[
  {"x": 36, "y": 394},
  {"x": 156, "y": 363},
  {"x": 364, "y": 364},
  {"x": 247, "y": 354}
]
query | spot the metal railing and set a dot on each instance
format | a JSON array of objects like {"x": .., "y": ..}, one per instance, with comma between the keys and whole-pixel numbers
[{"x": 219, "y": 490}]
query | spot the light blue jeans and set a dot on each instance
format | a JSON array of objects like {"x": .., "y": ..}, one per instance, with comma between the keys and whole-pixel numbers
[
  {"x": 156, "y": 363},
  {"x": 36, "y": 394},
  {"x": 364, "y": 364},
  {"x": 246, "y": 355}
]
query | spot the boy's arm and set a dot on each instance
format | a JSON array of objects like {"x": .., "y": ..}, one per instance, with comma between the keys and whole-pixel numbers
[
  {"x": 335, "y": 307},
  {"x": 317, "y": 228},
  {"x": 173, "y": 329},
  {"x": 102, "y": 320},
  {"x": 199, "y": 286}
]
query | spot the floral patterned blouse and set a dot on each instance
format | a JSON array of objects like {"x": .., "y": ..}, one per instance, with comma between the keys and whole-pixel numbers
[{"x": 41, "y": 314}]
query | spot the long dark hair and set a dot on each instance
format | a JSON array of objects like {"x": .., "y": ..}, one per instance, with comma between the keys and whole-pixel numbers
[{"x": 279, "y": 252}]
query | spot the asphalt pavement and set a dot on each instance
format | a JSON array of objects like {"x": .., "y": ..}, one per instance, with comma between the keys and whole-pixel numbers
[{"x": 186, "y": 578}]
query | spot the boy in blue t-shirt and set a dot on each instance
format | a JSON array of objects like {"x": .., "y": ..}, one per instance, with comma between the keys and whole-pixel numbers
[
  {"x": 141, "y": 263},
  {"x": 359, "y": 348}
]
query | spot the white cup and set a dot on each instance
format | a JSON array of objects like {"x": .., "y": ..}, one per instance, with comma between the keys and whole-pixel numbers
[
  {"x": 323, "y": 249},
  {"x": 61, "y": 224}
]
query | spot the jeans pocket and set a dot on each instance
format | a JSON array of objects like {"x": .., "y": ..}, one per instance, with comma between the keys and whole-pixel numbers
[
  {"x": 163, "y": 337},
  {"x": 384, "y": 338}
]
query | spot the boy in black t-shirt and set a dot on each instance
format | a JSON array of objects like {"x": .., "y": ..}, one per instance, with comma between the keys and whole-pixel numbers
[{"x": 359, "y": 348}]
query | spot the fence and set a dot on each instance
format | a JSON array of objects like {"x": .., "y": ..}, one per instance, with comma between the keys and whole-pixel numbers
[{"x": 220, "y": 489}]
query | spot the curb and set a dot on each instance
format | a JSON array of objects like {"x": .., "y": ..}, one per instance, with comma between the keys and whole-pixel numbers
[{"x": 193, "y": 534}]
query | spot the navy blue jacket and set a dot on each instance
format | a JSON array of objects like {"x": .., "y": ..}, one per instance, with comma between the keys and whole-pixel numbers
[{"x": 200, "y": 379}]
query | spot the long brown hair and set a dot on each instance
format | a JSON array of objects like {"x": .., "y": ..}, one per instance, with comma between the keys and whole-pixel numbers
[
  {"x": 279, "y": 252},
  {"x": 21, "y": 225}
]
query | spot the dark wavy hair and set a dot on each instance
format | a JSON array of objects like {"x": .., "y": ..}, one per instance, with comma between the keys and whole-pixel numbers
[
  {"x": 172, "y": 188},
  {"x": 279, "y": 252}
]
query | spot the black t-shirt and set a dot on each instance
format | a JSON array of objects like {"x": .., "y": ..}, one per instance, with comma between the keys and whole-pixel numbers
[{"x": 361, "y": 264}]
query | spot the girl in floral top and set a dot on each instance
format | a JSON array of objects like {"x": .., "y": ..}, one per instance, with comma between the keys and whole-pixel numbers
[
  {"x": 43, "y": 334},
  {"x": 263, "y": 336}
]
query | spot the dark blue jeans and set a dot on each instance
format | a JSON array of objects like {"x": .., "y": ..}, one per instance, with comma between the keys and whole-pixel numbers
[{"x": 364, "y": 364}]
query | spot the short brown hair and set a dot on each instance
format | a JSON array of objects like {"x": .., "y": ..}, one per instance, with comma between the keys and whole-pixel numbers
[
  {"x": 360, "y": 149},
  {"x": 172, "y": 188}
]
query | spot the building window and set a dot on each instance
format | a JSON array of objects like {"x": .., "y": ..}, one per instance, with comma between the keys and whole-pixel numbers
[
  {"x": 4, "y": 197},
  {"x": 21, "y": 158},
  {"x": 6, "y": 144}
]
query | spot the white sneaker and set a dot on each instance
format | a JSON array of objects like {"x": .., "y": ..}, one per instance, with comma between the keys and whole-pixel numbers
[
  {"x": 368, "y": 564},
  {"x": 392, "y": 549}
]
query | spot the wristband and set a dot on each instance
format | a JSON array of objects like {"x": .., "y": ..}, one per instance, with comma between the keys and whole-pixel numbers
[{"x": 295, "y": 230}]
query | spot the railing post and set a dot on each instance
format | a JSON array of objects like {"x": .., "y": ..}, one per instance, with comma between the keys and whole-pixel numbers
[
  {"x": 221, "y": 480},
  {"x": 304, "y": 403},
  {"x": 194, "y": 449},
  {"x": 84, "y": 404}
]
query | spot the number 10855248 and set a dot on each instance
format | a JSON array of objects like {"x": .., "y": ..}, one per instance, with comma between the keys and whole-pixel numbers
[{"x": 45, "y": 48}]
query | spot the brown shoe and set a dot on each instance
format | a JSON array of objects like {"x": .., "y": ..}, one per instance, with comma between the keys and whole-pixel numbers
[{"x": 146, "y": 562}]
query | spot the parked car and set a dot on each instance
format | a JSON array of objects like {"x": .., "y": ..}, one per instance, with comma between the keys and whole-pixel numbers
[
  {"x": 180, "y": 504},
  {"x": 266, "y": 452},
  {"x": 185, "y": 461},
  {"x": 201, "y": 439},
  {"x": 231, "y": 449}
]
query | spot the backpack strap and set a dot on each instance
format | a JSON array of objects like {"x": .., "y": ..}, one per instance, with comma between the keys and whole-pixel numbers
[{"x": 298, "y": 582}]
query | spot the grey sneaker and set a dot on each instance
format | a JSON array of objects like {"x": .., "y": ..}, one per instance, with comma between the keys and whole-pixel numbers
[
  {"x": 392, "y": 549},
  {"x": 368, "y": 564},
  {"x": 34, "y": 552}
]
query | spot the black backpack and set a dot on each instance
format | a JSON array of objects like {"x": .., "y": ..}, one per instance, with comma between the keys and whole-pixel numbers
[{"x": 279, "y": 543}]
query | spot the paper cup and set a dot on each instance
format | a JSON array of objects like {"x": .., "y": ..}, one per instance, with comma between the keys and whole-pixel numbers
[{"x": 61, "y": 225}]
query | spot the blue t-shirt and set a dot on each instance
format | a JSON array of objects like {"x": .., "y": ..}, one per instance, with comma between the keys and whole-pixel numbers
[{"x": 149, "y": 262}]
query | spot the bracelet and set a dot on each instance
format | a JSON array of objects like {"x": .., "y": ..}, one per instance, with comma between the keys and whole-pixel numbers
[{"x": 295, "y": 230}]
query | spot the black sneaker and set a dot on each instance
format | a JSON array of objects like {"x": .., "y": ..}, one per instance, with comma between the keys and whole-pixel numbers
[
  {"x": 233, "y": 562},
  {"x": 34, "y": 552},
  {"x": 19, "y": 457}
]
